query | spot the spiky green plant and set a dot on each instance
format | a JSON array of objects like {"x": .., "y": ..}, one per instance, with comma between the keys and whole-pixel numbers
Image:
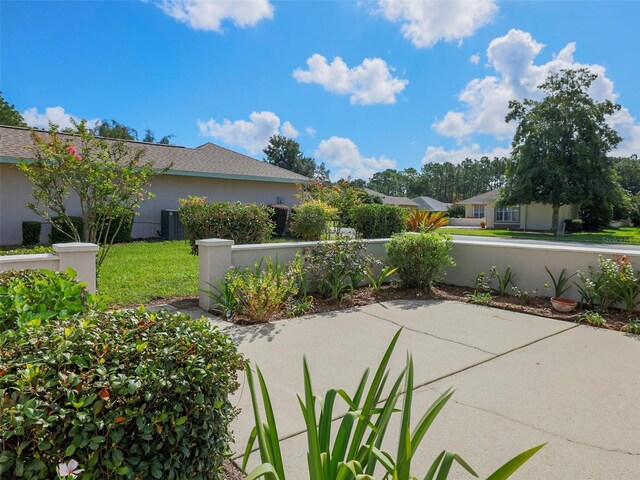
[{"x": 356, "y": 452}]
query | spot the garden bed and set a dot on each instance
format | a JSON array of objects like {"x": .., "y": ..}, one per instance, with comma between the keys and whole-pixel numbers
[{"x": 540, "y": 306}]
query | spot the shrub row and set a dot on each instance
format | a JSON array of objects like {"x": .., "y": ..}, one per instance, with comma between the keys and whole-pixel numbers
[
  {"x": 126, "y": 394},
  {"x": 123, "y": 235},
  {"x": 241, "y": 223},
  {"x": 378, "y": 221}
]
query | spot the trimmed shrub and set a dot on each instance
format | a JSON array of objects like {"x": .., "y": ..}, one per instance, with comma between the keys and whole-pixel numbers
[
  {"x": 31, "y": 297},
  {"x": 456, "y": 211},
  {"x": 124, "y": 234},
  {"x": 596, "y": 215},
  {"x": 57, "y": 236},
  {"x": 28, "y": 250},
  {"x": 420, "y": 258},
  {"x": 573, "y": 225},
  {"x": 31, "y": 233},
  {"x": 311, "y": 220},
  {"x": 280, "y": 215},
  {"x": 235, "y": 221},
  {"x": 379, "y": 221},
  {"x": 126, "y": 394},
  {"x": 634, "y": 213}
]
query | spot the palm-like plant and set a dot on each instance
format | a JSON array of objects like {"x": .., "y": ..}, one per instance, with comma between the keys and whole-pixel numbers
[
  {"x": 356, "y": 451},
  {"x": 425, "y": 221}
]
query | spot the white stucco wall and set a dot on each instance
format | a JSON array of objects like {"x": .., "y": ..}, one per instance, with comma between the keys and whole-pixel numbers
[
  {"x": 15, "y": 193},
  {"x": 538, "y": 216}
]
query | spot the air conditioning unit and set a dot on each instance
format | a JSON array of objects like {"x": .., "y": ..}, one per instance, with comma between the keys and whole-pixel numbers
[{"x": 171, "y": 228}]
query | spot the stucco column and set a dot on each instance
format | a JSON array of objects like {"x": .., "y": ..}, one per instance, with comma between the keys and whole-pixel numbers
[
  {"x": 214, "y": 259},
  {"x": 82, "y": 258}
]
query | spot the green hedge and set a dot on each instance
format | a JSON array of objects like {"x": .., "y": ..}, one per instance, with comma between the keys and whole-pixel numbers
[
  {"x": 241, "y": 223},
  {"x": 31, "y": 233},
  {"x": 56, "y": 236},
  {"x": 419, "y": 257},
  {"x": 30, "y": 297},
  {"x": 378, "y": 221},
  {"x": 123, "y": 235},
  {"x": 126, "y": 394},
  {"x": 311, "y": 220}
]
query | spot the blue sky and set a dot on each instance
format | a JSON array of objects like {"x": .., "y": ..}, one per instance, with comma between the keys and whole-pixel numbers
[{"x": 414, "y": 81}]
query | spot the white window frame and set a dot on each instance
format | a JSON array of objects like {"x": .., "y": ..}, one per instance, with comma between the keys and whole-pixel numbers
[
  {"x": 478, "y": 211},
  {"x": 508, "y": 214}
]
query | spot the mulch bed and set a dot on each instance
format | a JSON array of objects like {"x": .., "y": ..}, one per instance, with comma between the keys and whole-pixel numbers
[
  {"x": 231, "y": 472},
  {"x": 540, "y": 306}
]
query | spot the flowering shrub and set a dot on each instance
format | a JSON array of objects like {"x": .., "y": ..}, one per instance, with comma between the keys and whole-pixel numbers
[
  {"x": 615, "y": 281},
  {"x": 311, "y": 220},
  {"x": 379, "y": 221},
  {"x": 419, "y": 258},
  {"x": 31, "y": 297},
  {"x": 263, "y": 292},
  {"x": 338, "y": 267},
  {"x": 126, "y": 394},
  {"x": 235, "y": 221},
  {"x": 342, "y": 196}
]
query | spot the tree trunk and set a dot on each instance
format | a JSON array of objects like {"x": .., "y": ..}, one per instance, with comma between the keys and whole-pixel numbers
[{"x": 556, "y": 226}]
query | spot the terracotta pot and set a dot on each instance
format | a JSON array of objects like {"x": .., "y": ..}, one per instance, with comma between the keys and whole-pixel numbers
[{"x": 563, "y": 305}]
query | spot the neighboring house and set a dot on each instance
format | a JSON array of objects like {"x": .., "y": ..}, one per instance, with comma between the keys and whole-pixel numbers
[
  {"x": 389, "y": 200},
  {"x": 430, "y": 204},
  {"x": 534, "y": 216},
  {"x": 208, "y": 170}
]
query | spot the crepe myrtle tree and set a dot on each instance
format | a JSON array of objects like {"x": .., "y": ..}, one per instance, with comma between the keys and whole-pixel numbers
[
  {"x": 559, "y": 150},
  {"x": 107, "y": 177}
]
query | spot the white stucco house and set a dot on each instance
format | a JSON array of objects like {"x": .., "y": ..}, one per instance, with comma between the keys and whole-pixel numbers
[
  {"x": 534, "y": 216},
  {"x": 208, "y": 170}
]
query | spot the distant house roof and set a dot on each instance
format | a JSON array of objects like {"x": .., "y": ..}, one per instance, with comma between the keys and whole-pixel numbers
[
  {"x": 207, "y": 160},
  {"x": 430, "y": 204},
  {"x": 483, "y": 198},
  {"x": 389, "y": 200}
]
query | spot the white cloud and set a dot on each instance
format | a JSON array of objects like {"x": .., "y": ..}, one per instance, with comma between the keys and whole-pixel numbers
[
  {"x": 310, "y": 131},
  {"x": 209, "y": 14},
  {"x": 345, "y": 160},
  {"x": 485, "y": 100},
  {"x": 289, "y": 130},
  {"x": 368, "y": 83},
  {"x": 56, "y": 115},
  {"x": 475, "y": 59},
  {"x": 426, "y": 22},
  {"x": 440, "y": 155},
  {"x": 252, "y": 135}
]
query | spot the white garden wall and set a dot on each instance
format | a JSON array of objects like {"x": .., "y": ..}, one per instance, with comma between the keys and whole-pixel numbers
[
  {"x": 217, "y": 255},
  {"x": 527, "y": 260},
  {"x": 79, "y": 256}
]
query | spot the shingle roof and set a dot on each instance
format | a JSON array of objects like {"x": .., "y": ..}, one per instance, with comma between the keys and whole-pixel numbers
[
  {"x": 486, "y": 197},
  {"x": 207, "y": 160},
  {"x": 430, "y": 204},
  {"x": 389, "y": 200}
]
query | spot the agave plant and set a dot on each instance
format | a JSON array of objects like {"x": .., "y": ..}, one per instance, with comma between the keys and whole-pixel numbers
[
  {"x": 425, "y": 221},
  {"x": 356, "y": 452}
]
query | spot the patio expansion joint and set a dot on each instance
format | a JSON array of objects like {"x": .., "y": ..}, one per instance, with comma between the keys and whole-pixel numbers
[
  {"x": 430, "y": 334},
  {"x": 437, "y": 379},
  {"x": 524, "y": 424}
]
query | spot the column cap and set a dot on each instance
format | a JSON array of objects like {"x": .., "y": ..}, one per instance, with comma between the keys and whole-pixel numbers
[
  {"x": 75, "y": 247},
  {"x": 214, "y": 242}
]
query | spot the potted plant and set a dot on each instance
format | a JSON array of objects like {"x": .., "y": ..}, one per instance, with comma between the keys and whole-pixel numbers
[
  {"x": 483, "y": 224},
  {"x": 560, "y": 286}
]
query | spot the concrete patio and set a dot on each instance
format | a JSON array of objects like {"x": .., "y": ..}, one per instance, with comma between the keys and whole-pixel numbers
[{"x": 520, "y": 380}]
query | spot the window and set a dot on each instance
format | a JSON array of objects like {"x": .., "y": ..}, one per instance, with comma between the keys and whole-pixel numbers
[
  {"x": 478, "y": 211},
  {"x": 508, "y": 214}
]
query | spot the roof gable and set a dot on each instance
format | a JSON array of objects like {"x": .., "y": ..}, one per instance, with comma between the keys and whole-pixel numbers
[{"x": 207, "y": 160}]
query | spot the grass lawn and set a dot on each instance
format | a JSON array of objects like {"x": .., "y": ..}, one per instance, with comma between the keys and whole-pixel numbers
[
  {"x": 623, "y": 235},
  {"x": 139, "y": 272}
]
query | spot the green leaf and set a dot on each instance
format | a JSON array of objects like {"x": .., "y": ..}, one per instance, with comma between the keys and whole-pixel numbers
[
  {"x": 181, "y": 420},
  {"x": 506, "y": 470}
]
